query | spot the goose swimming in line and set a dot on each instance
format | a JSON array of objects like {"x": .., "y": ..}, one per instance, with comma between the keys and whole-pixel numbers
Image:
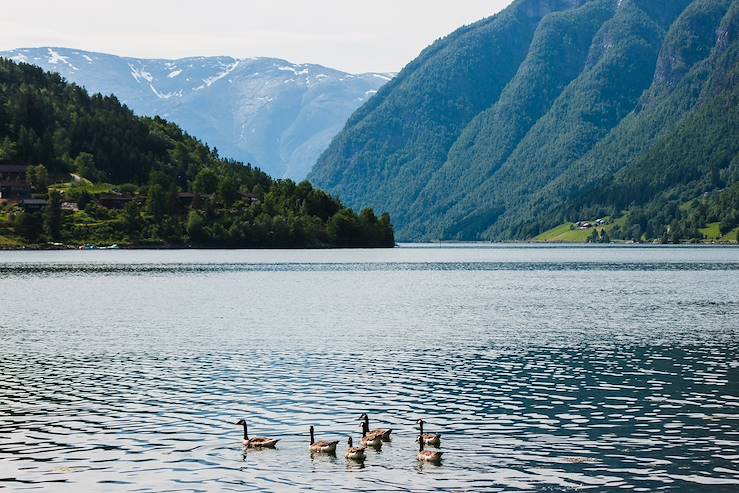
[
  {"x": 256, "y": 442},
  {"x": 371, "y": 438},
  {"x": 354, "y": 453},
  {"x": 322, "y": 446},
  {"x": 429, "y": 439},
  {"x": 384, "y": 433},
  {"x": 433, "y": 456}
]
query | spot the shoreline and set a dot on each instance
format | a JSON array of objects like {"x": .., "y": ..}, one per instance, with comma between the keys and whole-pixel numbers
[{"x": 449, "y": 244}]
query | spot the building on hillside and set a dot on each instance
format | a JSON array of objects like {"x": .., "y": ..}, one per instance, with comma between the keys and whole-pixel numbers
[
  {"x": 14, "y": 192},
  {"x": 114, "y": 201},
  {"x": 13, "y": 173},
  {"x": 185, "y": 199},
  {"x": 33, "y": 205},
  {"x": 70, "y": 207},
  {"x": 249, "y": 197},
  {"x": 13, "y": 184}
]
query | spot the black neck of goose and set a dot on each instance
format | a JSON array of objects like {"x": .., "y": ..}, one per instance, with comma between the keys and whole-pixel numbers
[
  {"x": 365, "y": 429},
  {"x": 350, "y": 442},
  {"x": 312, "y": 439},
  {"x": 420, "y": 425},
  {"x": 246, "y": 432},
  {"x": 420, "y": 443}
]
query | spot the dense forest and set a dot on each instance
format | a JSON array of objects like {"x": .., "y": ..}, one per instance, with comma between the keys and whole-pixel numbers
[
  {"x": 107, "y": 176},
  {"x": 553, "y": 112}
]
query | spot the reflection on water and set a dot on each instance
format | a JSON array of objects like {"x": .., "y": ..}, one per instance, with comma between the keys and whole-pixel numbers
[{"x": 545, "y": 370}]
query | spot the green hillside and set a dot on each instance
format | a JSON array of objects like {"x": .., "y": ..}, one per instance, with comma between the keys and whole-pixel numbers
[
  {"x": 611, "y": 107},
  {"x": 95, "y": 155}
]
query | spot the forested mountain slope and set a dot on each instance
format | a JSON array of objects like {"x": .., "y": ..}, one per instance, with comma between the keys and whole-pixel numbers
[
  {"x": 177, "y": 190},
  {"x": 545, "y": 112}
]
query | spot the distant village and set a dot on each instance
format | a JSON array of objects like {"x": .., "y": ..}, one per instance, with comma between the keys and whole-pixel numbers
[{"x": 16, "y": 189}]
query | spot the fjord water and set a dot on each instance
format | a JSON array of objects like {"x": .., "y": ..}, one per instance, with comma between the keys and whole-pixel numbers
[{"x": 545, "y": 369}]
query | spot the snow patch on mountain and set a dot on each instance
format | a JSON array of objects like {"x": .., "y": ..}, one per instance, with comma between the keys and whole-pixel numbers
[
  {"x": 211, "y": 80},
  {"x": 55, "y": 57}
]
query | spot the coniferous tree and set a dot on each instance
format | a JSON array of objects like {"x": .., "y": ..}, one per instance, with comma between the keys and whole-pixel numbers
[{"x": 53, "y": 216}]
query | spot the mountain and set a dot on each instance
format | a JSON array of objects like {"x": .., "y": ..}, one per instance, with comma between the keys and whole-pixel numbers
[
  {"x": 266, "y": 111},
  {"x": 546, "y": 112},
  {"x": 60, "y": 143}
]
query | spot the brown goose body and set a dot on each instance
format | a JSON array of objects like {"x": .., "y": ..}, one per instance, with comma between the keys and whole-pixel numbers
[
  {"x": 433, "y": 439},
  {"x": 433, "y": 456},
  {"x": 383, "y": 433},
  {"x": 260, "y": 443},
  {"x": 256, "y": 442},
  {"x": 322, "y": 446},
  {"x": 371, "y": 438},
  {"x": 354, "y": 453}
]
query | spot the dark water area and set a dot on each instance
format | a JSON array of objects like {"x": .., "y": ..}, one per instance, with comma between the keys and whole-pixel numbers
[{"x": 545, "y": 368}]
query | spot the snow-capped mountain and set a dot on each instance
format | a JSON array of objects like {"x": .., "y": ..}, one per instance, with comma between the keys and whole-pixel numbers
[{"x": 272, "y": 113}]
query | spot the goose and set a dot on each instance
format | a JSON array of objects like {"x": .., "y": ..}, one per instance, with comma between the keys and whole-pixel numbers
[
  {"x": 433, "y": 456},
  {"x": 371, "y": 439},
  {"x": 429, "y": 439},
  {"x": 383, "y": 432},
  {"x": 354, "y": 453},
  {"x": 322, "y": 446},
  {"x": 256, "y": 442}
]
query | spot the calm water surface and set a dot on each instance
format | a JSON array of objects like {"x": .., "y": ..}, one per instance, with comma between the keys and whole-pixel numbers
[{"x": 545, "y": 369}]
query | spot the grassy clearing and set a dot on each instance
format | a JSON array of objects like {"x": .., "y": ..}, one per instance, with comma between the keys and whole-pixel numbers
[
  {"x": 564, "y": 233},
  {"x": 730, "y": 237},
  {"x": 91, "y": 188},
  {"x": 711, "y": 231},
  {"x": 9, "y": 242},
  {"x": 569, "y": 233}
]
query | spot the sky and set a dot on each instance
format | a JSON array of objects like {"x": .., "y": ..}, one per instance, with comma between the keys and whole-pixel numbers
[{"x": 352, "y": 35}]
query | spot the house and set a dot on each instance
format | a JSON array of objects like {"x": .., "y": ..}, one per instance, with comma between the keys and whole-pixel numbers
[
  {"x": 249, "y": 197},
  {"x": 14, "y": 191},
  {"x": 112, "y": 201},
  {"x": 70, "y": 207},
  {"x": 13, "y": 184},
  {"x": 185, "y": 199},
  {"x": 33, "y": 205},
  {"x": 13, "y": 173}
]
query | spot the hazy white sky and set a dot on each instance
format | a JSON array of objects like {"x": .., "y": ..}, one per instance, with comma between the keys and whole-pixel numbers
[{"x": 354, "y": 35}]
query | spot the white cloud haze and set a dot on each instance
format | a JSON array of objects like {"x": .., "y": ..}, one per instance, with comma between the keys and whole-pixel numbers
[{"x": 354, "y": 35}]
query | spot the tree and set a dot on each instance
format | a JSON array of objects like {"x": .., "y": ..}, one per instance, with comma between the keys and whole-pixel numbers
[
  {"x": 604, "y": 238},
  {"x": 344, "y": 229},
  {"x": 196, "y": 229},
  {"x": 228, "y": 191},
  {"x": 162, "y": 195},
  {"x": 38, "y": 177},
  {"x": 206, "y": 182},
  {"x": 132, "y": 220},
  {"x": 594, "y": 238},
  {"x": 84, "y": 164},
  {"x": 53, "y": 216},
  {"x": 29, "y": 226},
  {"x": 156, "y": 201}
]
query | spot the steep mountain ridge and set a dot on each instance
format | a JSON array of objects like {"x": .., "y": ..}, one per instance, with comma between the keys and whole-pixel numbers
[
  {"x": 413, "y": 121},
  {"x": 600, "y": 84},
  {"x": 261, "y": 110}
]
